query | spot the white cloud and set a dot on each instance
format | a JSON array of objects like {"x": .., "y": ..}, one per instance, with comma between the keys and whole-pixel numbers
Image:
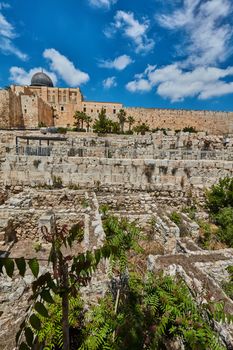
[
  {"x": 19, "y": 76},
  {"x": 180, "y": 17},
  {"x": 65, "y": 68},
  {"x": 7, "y": 35},
  {"x": 139, "y": 85},
  {"x": 132, "y": 29},
  {"x": 208, "y": 34},
  {"x": 176, "y": 84},
  {"x": 109, "y": 82},
  {"x": 119, "y": 63},
  {"x": 102, "y": 3},
  {"x": 206, "y": 44}
]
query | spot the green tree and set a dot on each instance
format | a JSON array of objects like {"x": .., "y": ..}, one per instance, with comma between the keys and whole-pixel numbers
[
  {"x": 150, "y": 312},
  {"x": 80, "y": 117},
  {"x": 102, "y": 124},
  {"x": 138, "y": 312},
  {"x": 115, "y": 127},
  {"x": 130, "y": 121},
  {"x": 69, "y": 274},
  {"x": 220, "y": 195},
  {"x": 219, "y": 201},
  {"x": 88, "y": 121},
  {"x": 142, "y": 128},
  {"x": 121, "y": 115}
]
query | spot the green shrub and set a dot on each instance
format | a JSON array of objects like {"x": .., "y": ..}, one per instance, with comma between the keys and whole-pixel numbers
[
  {"x": 36, "y": 163},
  {"x": 57, "y": 182},
  {"x": 219, "y": 201},
  {"x": 176, "y": 218},
  {"x": 220, "y": 195},
  {"x": 62, "y": 130},
  {"x": 85, "y": 203},
  {"x": 228, "y": 286},
  {"x": 42, "y": 125},
  {"x": 225, "y": 221},
  {"x": 189, "y": 129},
  {"x": 141, "y": 128},
  {"x": 37, "y": 247}
]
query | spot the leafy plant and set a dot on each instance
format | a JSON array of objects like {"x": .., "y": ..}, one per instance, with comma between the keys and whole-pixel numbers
[
  {"x": 102, "y": 125},
  {"x": 190, "y": 129},
  {"x": 61, "y": 130},
  {"x": 176, "y": 218},
  {"x": 64, "y": 282},
  {"x": 220, "y": 195},
  {"x": 141, "y": 128},
  {"x": 57, "y": 182},
  {"x": 219, "y": 200},
  {"x": 228, "y": 286},
  {"x": 36, "y": 163},
  {"x": 145, "y": 314},
  {"x": 122, "y": 119},
  {"x": 85, "y": 203},
  {"x": 50, "y": 332},
  {"x": 37, "y": 246}
]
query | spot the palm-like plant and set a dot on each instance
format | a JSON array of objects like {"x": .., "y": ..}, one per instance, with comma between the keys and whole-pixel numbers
[
  {"x": 122, "y": 118},
  {"x": 130, "y": 121},
  {"x": 88, "y": 121},
  {"x": 81, "y": 118},
  {"x": 78, "y": 118}
]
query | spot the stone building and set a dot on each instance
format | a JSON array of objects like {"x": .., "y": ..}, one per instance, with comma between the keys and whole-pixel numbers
[{"x": 43, "y": 104}]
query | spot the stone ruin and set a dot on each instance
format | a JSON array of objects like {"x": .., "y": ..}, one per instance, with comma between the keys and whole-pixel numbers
[{"x": 142, "y": 178}]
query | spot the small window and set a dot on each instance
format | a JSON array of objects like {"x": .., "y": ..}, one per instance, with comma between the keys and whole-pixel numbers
[
  {"x": 84, "y": 109},
  {"x": 62, "y": 108},
  {"x": 91, "y": 110},
  {"x": 25, "y": 111},
  {"x": 97, "y": 110},
  {"x": 114, "y": 111}
]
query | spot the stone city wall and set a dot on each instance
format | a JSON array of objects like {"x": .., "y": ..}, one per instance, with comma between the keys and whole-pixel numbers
[
  {"x": 35, "y": 111},
  {"x": 63, "y": 103},
  {"x": 10, "y": 110},
  {"x": 45, "y": 113},
  {"x": 209, "y": 121},
  {"x": 129, "y": 173}
]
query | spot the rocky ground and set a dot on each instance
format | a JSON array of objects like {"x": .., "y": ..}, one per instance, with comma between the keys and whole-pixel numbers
[{"x": 167, "y": 246}]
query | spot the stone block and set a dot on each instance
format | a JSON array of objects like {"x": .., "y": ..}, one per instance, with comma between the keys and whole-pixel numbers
[{"x": 48, "y": 220}]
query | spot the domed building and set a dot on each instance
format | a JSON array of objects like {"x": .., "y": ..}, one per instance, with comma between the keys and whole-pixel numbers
[
  {"x": 42, "y": 103},
  {"x": 41, "y": 79}
]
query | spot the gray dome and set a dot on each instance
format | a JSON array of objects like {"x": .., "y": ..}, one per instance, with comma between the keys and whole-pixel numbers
[{"x": 41, "y": 79}]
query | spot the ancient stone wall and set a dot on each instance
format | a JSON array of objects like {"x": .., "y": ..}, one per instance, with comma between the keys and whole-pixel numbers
[
  {"x": 209, "y": 121},
  {"x": 35, "y": 111},
  {"x": 45, "y": 113},
  {"x": 66, "y": 101},
  {"x": 93, "y": 108},
  {"x": 16, "y": 115},
  {"x": 4, "y": 109},
  {"x": 30, "y": 110},
  {"x": 139, "y": 174},
  {"x": 10, "y": 110}
]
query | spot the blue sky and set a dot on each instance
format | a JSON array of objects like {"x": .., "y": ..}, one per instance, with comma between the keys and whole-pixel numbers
[{"x": 151, "y": 53}]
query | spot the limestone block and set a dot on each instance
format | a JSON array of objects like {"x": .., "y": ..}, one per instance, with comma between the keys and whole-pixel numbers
[{"x": 48, "y": 220}]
